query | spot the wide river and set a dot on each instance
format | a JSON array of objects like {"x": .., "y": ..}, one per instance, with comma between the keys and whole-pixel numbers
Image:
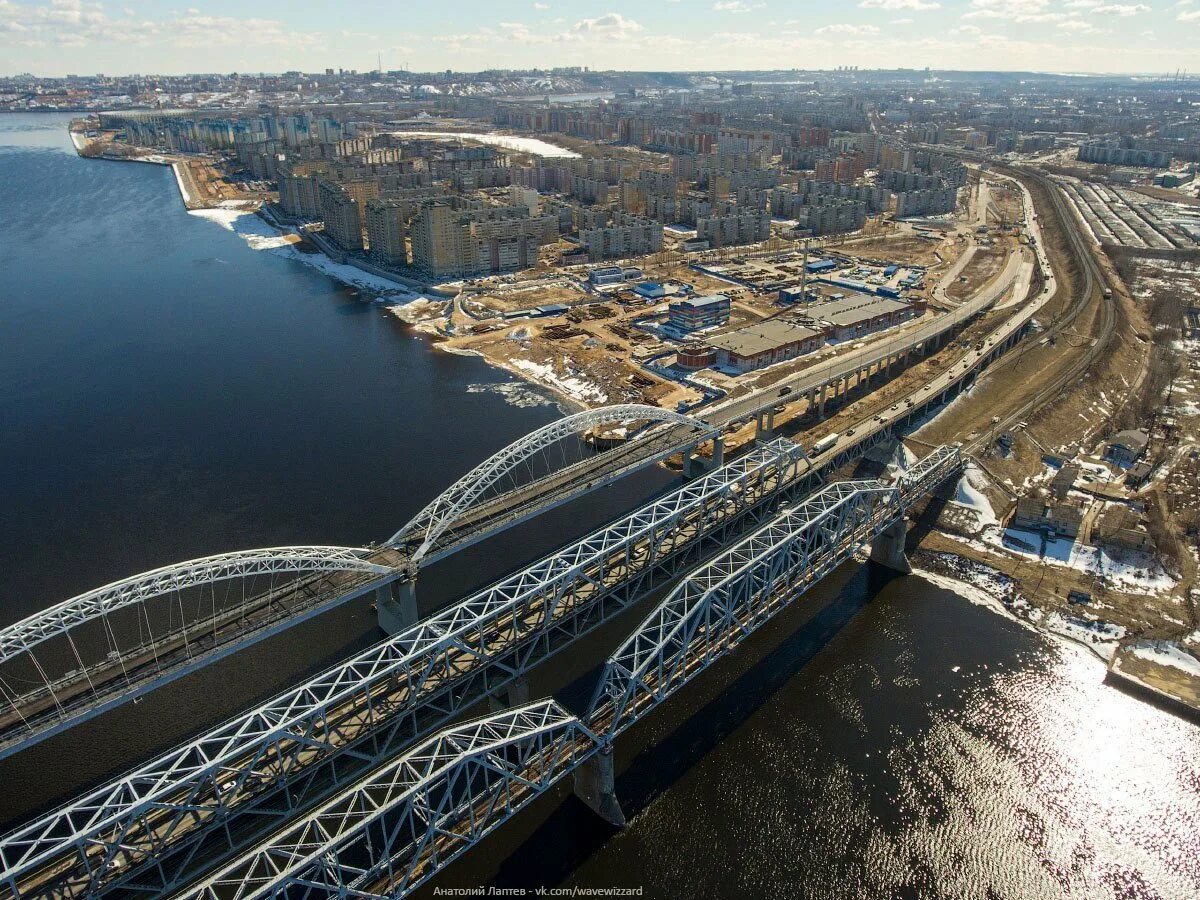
[{"x": 169, "y": 390}]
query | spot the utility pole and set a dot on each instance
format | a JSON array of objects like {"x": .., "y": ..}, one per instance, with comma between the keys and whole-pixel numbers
[{"x": 804, "y": 273}]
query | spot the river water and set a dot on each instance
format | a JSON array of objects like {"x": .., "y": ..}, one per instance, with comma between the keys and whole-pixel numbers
[{"x": 170, "y": 392}]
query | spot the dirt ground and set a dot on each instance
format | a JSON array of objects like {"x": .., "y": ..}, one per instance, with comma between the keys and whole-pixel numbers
[{"x": 982, "y": 268}]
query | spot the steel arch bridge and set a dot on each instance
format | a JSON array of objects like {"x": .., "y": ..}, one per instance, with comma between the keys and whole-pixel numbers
[
  {"x": 341, "y": 723},
  {"x": 29, "y": 632},
  {"x": 469, "y": 495},
  {"x": 141, "y": 655},
  {"x": 720, "y": 604},
  {"x": 398, "y": 828}
]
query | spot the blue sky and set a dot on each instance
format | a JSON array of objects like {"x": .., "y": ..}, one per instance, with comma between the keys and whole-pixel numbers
[{"x": 54, "y": 37}]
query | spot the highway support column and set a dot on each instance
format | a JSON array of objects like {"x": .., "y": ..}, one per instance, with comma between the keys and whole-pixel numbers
[
  {"x": 764, "y": 425},
  {"x": 396, "y": 605},
  {"x": 595, "y": 785},
  {"x": 888, "y": 547}
]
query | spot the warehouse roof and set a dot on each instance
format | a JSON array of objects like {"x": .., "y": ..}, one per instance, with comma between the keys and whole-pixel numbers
[
  {"x": 762, "y": 337},
  {"x": 851, "y": 311}
]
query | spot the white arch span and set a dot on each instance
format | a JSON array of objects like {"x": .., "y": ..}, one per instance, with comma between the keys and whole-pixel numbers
[
  {"x": 28, "y": 633},
  {"x": 433, "y": 521}
]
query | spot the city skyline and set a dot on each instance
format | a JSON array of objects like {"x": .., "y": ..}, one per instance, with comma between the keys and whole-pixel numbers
[{"x": 1085, "y": 36}]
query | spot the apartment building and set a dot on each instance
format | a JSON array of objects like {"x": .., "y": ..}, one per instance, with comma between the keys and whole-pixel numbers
[
  {"x": 450, "y": 241},
  {"x": 627, "y": 236},
  {"x": 831, "y": 215},
  {"x": 341, "y": 213},
  {"x": 589, "y": 190},
  {"x": 1116, "y": 155},
  {"x": 743, "y": 226},
  {"x": 932, "y": 202},
  {"x": 900, "y": 180},
  {"x": 386, "y": 218}
]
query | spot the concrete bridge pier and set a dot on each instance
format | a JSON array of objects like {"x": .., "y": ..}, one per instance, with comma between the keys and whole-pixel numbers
[
  {"x": 516, "y": 694},
  {"x": 888, "y": 547},
  {"x": 396, "y": 605},
  {"x": 595, "y": 785},
  {"x": 695, "y": 466},
  {"x": 764, "y": 425}
]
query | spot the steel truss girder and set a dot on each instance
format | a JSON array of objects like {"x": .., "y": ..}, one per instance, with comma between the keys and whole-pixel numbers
[
  {"x": 708, "y": 614},
  {"x": 26, "y": 634},
  {"x": 397, "y": 828},
  {"x": 432, "y": 521},
  {"x": 332, "y": 727}
]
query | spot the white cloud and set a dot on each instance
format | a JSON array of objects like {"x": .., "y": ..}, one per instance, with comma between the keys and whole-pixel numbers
[
  {"x": 71, "y": 23},
  {"x": 736, "y": 6},
  {"x": 1013, "y": 10},
  {"x": 1079, "y": 26},
  {"x": 541, "y": 5},
  {"x": 847, "y": 29},
  {"x": 608, "y": 25},
  {"x": 907, "y": 5},
  {"x": 1121, "y": 10}
]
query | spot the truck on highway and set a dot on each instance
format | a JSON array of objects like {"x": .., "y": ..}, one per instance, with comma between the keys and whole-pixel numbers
[{"x": 823, "y": 444}]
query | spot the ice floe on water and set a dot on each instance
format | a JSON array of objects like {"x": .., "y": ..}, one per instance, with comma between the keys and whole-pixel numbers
[{"x": 514, "y": 393}]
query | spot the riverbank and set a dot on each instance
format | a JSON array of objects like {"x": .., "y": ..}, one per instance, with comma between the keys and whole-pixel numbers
[{"x": 1159, "y": 671}]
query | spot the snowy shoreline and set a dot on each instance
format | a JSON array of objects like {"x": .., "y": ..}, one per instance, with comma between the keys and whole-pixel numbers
[{"x": 980, "y": 583}]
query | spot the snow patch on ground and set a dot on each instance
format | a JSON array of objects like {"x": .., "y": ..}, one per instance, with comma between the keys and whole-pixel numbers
[
  {"x": 507, "y": 141},
  {"x": 572, "y": 385},
  {"x": 985, "y": 586},
  {"x": 1165, "y": 653},
  {"x": 420, "y": 310},
  {"x": 1127, "y": 570},
  {"x": 1100, "y": 636},
  {"x": 968, "y": 494}
]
